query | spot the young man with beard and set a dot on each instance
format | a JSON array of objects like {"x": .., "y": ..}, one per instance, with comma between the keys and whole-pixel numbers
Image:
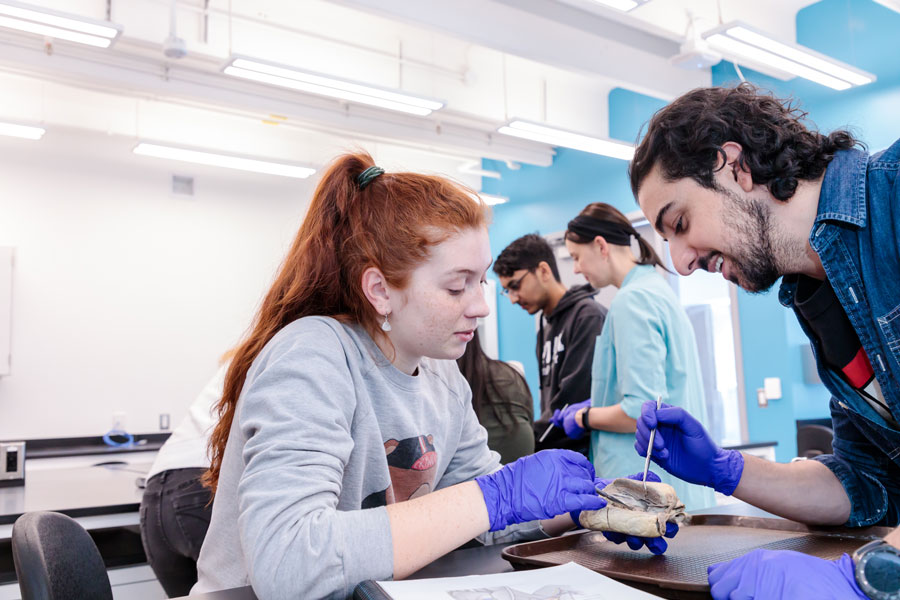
[
  {"x": 570, "y": 322},
  {"x": 738, "y": 185}
]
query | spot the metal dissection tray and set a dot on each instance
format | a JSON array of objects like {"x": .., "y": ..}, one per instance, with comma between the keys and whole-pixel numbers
[{"x": 681, "y": 571}]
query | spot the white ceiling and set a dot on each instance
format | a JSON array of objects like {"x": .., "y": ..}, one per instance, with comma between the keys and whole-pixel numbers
[{"x": 551, "y": 61}]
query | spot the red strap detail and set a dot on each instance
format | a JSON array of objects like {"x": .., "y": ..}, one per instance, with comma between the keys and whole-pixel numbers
[{"x": 859, "y": 370}]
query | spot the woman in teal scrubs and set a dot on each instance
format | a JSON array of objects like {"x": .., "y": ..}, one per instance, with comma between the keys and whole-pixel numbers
[{"x": 646, "y": 349}]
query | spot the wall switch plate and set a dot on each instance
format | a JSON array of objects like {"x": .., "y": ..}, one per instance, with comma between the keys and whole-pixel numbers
[
  {"x": 772, "y": 385},
  {"x": 761, "y": 397},
  {"x": 163, "y": 421}
]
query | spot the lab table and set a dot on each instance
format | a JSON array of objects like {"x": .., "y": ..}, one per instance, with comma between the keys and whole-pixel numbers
[
  {"x": 104, "y": 498},
  {"x": 480, "y": 560},
  {"x": 104, "y": 489}
]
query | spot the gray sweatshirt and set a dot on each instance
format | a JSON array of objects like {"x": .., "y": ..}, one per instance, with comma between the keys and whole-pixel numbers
[{"x": 326, "y": 433}]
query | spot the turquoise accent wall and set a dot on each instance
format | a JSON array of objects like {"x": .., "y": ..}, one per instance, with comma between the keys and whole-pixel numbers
[
  {"x": 860, "y": 32},
  {"x": 545, "y": 199},
  {"x": 628, "y": 112}
]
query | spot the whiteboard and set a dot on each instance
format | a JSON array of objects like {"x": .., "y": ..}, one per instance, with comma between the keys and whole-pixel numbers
[{"x": 6, "y": 265}]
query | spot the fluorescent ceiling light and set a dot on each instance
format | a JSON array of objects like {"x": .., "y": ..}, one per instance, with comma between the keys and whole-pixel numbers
[
  {"x": 493, "y": 199},
  {"x": 623, "y": 5},
  {"x": 567, "y": 139},
  {"x": 892, "y": 4},
  {"x": 21, "y": 131},
  {"x": 58, "y": 25},
  {"x": 740, "y": 42},
  {"x": 228, "y": 161},
  {"x": 323, "y": 85}
]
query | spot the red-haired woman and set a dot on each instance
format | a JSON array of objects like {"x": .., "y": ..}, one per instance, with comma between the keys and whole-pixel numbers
[{"x": 347, "y": 448}]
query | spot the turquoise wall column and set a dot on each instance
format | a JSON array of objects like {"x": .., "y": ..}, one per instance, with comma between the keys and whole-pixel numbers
[{"x": 545, "y": 199}]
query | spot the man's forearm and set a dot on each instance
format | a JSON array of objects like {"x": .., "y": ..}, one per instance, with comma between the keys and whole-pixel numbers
[{"x": 805, "y": 491}]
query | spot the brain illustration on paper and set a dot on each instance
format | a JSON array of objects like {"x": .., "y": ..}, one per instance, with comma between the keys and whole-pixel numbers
[{"x": 547, "y": 592}]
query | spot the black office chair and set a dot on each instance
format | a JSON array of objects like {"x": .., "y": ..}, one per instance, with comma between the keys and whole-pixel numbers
[
  {"x": 813, "y": 440},
  {"x": 56, "y": 559}
]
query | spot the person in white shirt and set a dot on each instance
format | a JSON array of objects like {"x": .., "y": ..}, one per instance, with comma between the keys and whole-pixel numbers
[{"x": 176, "y": 507}]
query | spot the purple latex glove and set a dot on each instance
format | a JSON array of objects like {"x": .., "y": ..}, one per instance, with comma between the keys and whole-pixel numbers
[
  {"x": 539, "y": 486},
  {"x": 683, "y": 448},
  {"x": 655, "y": 545},
  {"x": 784, "y": 575},
  {"x": 565, "y": 419},
  {"x": 599, "y": 484}
]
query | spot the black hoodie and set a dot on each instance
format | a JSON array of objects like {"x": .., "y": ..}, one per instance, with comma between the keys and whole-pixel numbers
[{"x": 565, "y": 351}]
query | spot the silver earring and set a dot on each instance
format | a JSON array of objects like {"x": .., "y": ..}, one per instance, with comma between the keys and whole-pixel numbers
[{"x": 386, "y": 326}]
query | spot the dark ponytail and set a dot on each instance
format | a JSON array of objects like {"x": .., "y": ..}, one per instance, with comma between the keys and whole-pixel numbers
[
  {"x": 649, "y": 255},
  {"x": 599, "y": 218},
  {"x": 481, "y": 371}
]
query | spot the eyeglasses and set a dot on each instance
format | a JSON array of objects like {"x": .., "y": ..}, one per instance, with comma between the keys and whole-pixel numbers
[{"x": 513, "y": 286}]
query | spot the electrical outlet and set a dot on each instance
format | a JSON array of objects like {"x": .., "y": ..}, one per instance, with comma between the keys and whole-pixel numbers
[
  {"x": 163, "y": 421},
  {"x": 12, "y": 463},
  {"x": 118, "y": 420}
]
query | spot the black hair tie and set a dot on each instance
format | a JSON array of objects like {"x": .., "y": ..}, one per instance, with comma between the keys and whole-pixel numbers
[
  {"x": 367, "y": 176},
  {"x": 614, "y": 233}
]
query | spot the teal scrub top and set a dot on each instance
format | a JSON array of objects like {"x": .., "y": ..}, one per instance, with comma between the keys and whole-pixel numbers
[{"x": 647, "y": 348}]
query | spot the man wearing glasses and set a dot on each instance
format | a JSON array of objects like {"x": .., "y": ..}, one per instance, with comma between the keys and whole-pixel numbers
[{"x": 570, "y": 322}]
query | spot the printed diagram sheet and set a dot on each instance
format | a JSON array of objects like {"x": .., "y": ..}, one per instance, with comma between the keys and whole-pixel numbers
[{"x": 565, "y": 582}]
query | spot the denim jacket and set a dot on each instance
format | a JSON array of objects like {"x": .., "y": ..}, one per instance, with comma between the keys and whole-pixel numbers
[{"x": 857, "y": 237}]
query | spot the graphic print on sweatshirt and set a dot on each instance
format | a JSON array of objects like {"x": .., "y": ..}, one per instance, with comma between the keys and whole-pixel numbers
[
  {"x": 550, "y": 354},
  {"x": 412, "y": 463}
]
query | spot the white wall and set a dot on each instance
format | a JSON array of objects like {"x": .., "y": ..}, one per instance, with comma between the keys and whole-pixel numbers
[{"x": 124, "y": 295}]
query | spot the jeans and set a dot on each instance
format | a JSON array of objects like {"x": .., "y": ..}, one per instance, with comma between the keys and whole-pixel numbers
[{"x": 175, "y": 513}]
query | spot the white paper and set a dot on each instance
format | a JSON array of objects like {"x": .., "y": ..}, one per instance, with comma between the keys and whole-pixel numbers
[{"x": 570, "y": 581}]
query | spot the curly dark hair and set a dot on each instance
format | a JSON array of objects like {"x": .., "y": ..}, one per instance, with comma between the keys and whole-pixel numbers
[
  {"x": 526, "y": 252},
  {"x": 685, "y": 138}
]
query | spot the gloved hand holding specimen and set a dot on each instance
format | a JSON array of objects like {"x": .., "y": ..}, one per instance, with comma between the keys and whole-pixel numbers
[{"x": 633, "y": 511}]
